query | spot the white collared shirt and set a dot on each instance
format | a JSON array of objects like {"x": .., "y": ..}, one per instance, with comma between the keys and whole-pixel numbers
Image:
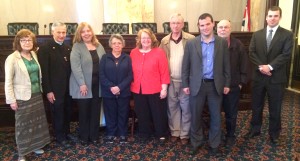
[{"x": 60, "y": 43}]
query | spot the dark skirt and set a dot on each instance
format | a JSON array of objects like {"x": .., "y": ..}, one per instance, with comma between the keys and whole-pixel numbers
[{"x": 32, "y": 130}]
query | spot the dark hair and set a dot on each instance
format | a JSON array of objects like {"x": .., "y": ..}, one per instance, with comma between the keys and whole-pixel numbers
[
  {"x": 204, "y": 16},
  {"x": 154, "y": 41},
  {"x": 21, "y": 34},
  {"x": 276, "y": 8}
]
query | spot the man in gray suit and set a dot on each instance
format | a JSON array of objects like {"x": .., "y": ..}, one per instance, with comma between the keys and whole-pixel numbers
[
  {"x": 270, "y": 49},
  {"x": 206, "y": 75}
]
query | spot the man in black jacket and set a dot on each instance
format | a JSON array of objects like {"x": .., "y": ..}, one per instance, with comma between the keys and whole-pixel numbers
[
  {"x": 270, "y": 50},
  {"x": 238, "y": 69},
  {"x": 54, "y": 58}
]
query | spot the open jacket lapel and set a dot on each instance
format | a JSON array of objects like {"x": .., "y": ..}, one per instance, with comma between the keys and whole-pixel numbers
[{"x": 198, "y": 47}]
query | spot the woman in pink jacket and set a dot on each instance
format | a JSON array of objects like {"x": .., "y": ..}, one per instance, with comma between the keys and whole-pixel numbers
[{"x": 150, "y": 80}]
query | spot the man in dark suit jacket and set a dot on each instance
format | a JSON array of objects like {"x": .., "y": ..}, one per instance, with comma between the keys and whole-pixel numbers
[
  {"x": 206, "y": 75},
  {"x": 269, "y": 72},
  {"x": 54, "y": 57}
]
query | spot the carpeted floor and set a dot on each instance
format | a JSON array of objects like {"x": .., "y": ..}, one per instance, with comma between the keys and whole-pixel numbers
[{"x": 258, "y": 148}]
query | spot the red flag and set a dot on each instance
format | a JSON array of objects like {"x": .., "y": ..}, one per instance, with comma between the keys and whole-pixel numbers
[{"x": 246, "y": 25}]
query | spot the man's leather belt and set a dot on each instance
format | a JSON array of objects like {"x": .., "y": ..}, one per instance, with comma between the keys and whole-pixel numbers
[{"x": 207, "y": 80}]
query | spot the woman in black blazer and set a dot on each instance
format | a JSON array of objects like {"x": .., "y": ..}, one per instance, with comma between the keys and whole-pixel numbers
[{"x": 115, "y": 78}]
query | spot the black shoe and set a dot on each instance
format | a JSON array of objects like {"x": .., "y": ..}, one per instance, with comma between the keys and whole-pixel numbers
[
  {"x": 194, "y": 150},
  {"x": 213, "y": 151},
  {"x": 83, "y": 143},
  {"x": 64, "y": 144},
  {"x": 274, "y": 140},
  {"x": 71, "y": 137},
  {"x": 230, "y": 141},
  {"x": 144, "y": 139},
  {"x": 162, "y": 139},
  {"x": 95, "y": 142},
  {"x": 109, "y": 139},
  {"x": 252, "y": 134},
  {"x": 123, "y": 140}
]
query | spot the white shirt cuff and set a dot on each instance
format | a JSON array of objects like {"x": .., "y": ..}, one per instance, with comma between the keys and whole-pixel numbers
[{"x": 271, "y": 68}]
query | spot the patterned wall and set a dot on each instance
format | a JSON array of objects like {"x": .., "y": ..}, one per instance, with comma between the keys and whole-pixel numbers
[{"x": 128, "y": 11}]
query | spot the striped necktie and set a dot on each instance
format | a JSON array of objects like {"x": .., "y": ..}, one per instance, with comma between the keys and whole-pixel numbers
[{"x": 269, "y": 38}]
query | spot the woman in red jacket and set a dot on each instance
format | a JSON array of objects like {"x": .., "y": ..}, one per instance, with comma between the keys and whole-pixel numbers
[{"x": 150, "y": 80}]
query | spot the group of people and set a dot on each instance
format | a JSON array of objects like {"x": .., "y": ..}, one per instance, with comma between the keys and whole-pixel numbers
[{"x": 170, "y": 82}]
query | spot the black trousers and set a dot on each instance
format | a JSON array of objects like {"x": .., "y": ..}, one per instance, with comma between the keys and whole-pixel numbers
[
  {"x": 274, "y": 94},
  {"x": 89, "y": 118},
  {"x": 152, "y": 115},
  {"x": 230, "y": 106},
  {"x": 61, "y": 116}
]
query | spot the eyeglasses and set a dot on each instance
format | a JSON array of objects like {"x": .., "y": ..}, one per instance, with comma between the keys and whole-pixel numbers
[
  {"x": 26, "y": 41},
  {"x": 223, "y": 27}
]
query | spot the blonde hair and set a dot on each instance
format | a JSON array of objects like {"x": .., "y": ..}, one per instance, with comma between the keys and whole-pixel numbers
[
  {"x": 77, "y": 37},
  {"x": 154, "y": 41}
]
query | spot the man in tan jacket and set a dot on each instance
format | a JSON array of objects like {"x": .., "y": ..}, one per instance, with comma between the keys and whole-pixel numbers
[{"x": 178, "y": 111}]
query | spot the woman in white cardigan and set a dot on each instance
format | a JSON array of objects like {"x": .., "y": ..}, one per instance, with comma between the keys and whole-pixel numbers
[
  {"x": 84, "y": 81},
  {"x": 23, "y": 94}
]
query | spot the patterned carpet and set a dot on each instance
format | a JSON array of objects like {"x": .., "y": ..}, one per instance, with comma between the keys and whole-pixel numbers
[{"x": 255, "y": 149}]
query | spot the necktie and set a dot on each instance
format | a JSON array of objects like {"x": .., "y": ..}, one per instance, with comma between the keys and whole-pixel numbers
[{"x": 269, "y": 38}]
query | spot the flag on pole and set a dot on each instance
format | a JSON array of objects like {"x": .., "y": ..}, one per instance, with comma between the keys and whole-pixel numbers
[{"x": 246, "y": 25}]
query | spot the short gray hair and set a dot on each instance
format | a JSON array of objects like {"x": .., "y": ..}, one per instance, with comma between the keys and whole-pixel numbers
[
  {"x": 178, "y": 15},
  {"x": 57, "y": 24},
  {"x": 117, "y": 36}
]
